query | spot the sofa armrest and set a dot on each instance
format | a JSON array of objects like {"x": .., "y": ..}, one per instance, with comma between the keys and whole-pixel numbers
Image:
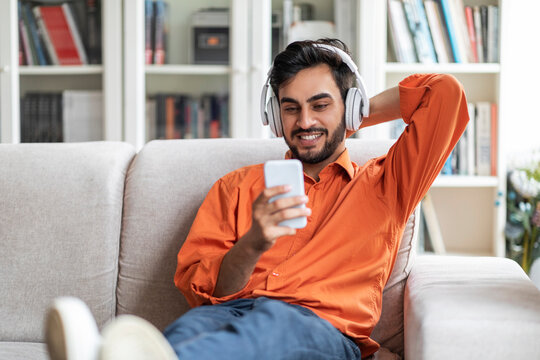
[{"x": 470, "y": 308}]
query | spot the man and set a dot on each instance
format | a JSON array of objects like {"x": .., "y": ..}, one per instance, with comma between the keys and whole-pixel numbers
[{"x": 260, "y": 290}]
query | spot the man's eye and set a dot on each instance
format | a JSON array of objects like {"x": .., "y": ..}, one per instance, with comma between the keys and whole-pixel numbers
[
  {"x": 291, "y": 109},
  {"x": 320, "y": 106}
]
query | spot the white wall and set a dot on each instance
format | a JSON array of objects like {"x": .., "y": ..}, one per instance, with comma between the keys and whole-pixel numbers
[{"x": 521, "y": 59}]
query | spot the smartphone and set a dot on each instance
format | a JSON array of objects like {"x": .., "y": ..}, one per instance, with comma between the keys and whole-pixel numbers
[{"x": 286, "y": 172}]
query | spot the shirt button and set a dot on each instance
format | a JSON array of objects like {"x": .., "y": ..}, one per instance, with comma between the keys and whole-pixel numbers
[{"x": 275, "y": 274}]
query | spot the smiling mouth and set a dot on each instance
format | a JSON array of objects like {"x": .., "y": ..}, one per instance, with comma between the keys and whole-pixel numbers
[{"x": 310, "y": 136}]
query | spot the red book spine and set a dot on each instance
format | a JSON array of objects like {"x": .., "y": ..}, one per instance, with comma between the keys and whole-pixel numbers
[
  {"x": 60, "y": 35},
  {"x": 471, "y": 31}
]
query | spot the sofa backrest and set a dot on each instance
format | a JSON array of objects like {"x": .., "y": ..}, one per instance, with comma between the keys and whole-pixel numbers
[
  {"x": 165, "y": 186},
  {"x": 60, "y": 216}
]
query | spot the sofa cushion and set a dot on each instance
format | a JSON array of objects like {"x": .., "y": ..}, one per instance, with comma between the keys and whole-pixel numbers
[
  {"x": 165, "y": 186},
  {"x": 23, "y": 350},
  {"x": 60, "y": 221}
]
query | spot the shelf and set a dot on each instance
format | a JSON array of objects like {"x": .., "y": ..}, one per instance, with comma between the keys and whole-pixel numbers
[
  {"x": 187, "y": 69},
  {"x": 447, "y": 181},
  {"x": 61, "y": 70},
  {"x": 453, "y": 68},
  {"x": 468, "y": 253}
]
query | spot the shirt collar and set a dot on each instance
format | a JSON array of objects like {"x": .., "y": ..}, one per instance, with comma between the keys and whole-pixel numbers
[{"x": 344, "y": 161}]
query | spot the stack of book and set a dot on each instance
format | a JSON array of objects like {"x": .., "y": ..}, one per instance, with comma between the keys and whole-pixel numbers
[
  {"x": 180, "y": 116},
  {"x": 443, "y": 31},
  {"x": 69, "y": 116},
  {"x": 476, "y": 151},
  {"x": 156, "y": 18},
  {"x": 67, "y": 33}
]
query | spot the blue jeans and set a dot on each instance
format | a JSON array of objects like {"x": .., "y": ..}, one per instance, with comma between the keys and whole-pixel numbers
[{"x": 257, "y": 329}]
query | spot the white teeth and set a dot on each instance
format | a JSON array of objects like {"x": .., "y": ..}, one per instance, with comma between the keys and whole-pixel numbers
[{"x": 310, "y": 137}]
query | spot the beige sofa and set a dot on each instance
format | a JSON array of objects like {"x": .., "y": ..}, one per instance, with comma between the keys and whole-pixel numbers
[{"x": 103, "y": 223}]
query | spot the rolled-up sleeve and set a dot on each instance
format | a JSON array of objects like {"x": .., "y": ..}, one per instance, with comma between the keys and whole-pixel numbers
[
  {"x": 434, "y": 108},
  {"x": 211, "y": 236}
]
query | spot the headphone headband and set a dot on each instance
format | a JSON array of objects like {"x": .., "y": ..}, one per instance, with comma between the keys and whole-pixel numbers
[{"x": 352, "y": 66}]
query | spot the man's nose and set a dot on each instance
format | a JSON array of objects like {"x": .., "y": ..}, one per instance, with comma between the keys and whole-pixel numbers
[{"x": 305, "y": 119}]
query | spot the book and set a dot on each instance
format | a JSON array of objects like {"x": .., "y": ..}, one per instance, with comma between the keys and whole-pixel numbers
[
  {"x": 448, "y": 167},
  {"x": 56, "y": 117},
  {"x": 484, "y": 22},
  {"x": 25, "y": 117},
  {"x": 160, "y": 32},
  {"x": 461, "y": 28},
  {"x": 24, "y": 39},
  {"x": 399, "y": 33},
  {"x": 82, "y": 114},
  {"x": 74, "y": 32},
  {"x": 478, "y": 32},
  {"x": 471, "y": 140},
  {"x": 93, "y": 31},
  {"x": 416, "y": 18},
  {"x": 494, "y": 144},
  {"x": 61, "y": 36},
  {"x": 30, "y": 21},
  {"x": 493, "y": 34},
  {"x": 150, "y": 118},
  {"x": 194, "y": 117},
  {"x": 471, "y": 30},
  {"x": 483, "y": 138},
  {"x": 169, "y": 117},
  {"x": 45, "y": 36},
  {"x": 187, "y": 132},
  {"x": 160, "y": 116},
  {"x": 438, "y": 32},
  {"x": 149, "y": 28},
  {"x": 450, "y": 27},
  {"x": 461, "y": 166}
]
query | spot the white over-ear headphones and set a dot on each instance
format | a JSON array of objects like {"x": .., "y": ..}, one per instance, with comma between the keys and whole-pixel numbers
[{"x": 356, "y": 102}]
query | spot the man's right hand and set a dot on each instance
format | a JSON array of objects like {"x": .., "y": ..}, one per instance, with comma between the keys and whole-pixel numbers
[
  {"x": 239, "y": 262},
  {"x": 267, "y": 215}
]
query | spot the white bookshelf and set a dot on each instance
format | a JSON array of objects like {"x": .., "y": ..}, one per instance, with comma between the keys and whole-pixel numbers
[
  {"x": 17, "y": 80},
  {"x": 471, "y": 209},
  {"x": 249, "y": 59}
]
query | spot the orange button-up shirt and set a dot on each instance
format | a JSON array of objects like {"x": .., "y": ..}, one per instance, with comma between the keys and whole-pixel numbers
[{"x": 337, "y": 265}]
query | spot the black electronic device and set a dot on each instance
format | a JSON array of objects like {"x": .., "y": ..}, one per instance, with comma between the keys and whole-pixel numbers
[{"x": 210, "y": 36}]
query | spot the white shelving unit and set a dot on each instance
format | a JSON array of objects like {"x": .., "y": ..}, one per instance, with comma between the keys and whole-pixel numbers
[
  {"x": 16, "y": 80},
  {"x": 249, "y": 59},
  {"x": 471, "y": 209}
]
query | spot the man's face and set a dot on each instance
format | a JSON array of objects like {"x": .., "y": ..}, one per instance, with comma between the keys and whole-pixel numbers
[{"x": 312, "y": 112}]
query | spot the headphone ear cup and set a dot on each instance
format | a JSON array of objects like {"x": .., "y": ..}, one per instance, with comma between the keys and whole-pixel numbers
[
  {"x": 353, "y": 105},
  {"x": 274, "y": 116}
]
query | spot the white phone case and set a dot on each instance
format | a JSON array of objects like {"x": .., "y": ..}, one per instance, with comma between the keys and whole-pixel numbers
[{"x": 286, "y": 172}]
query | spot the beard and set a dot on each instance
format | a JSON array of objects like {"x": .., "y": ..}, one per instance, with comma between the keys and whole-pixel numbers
[{"x": 330, "y": 145}]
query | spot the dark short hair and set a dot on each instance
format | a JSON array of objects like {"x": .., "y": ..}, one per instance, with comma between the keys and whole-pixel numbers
[{"x": 301, "y": 55}]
